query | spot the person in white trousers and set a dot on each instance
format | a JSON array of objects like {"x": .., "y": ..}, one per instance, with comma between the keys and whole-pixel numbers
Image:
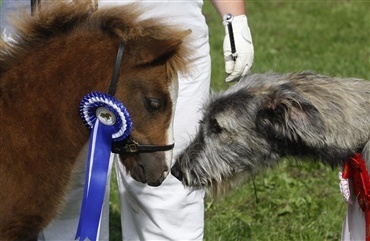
[{"x": 170, "y": 211}]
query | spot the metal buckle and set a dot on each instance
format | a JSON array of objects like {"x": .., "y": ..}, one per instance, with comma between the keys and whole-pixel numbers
[{"x": 132, "y": 147}]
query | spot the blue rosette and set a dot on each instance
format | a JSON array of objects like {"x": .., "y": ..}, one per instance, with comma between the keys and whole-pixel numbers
[
  {"x": 95, "y": 101},
  {"x": 109, "y": 121}
]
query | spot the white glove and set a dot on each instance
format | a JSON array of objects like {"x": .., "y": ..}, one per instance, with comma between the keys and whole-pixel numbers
[{"x": 244, "y": 49}]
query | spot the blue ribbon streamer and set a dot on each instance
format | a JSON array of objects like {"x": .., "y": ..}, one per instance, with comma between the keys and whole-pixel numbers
[
  {"x": 109, "y": 121},
  {"x": 95, "y": 181}
]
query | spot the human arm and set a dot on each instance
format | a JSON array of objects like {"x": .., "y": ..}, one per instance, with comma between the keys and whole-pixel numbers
[
  {"x": 238, "y": 67},
  {"x": 235, "y": 7}
]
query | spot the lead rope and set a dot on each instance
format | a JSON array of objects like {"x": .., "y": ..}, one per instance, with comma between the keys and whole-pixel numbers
[{"x": 255, "y": 189}]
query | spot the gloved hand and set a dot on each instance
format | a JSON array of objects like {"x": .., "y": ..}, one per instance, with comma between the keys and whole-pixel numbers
[{"x": 244, "y": 49}]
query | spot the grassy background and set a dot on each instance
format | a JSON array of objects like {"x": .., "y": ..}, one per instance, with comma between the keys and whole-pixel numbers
[{"x": 295, "y": 201}]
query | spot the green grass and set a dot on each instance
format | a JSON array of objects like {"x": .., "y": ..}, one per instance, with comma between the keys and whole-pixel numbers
[
  {"x": 330, "y": 37},
  {"x": 296, "y": 201}
]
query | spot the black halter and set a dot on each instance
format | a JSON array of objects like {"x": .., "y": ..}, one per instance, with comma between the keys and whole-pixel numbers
[
  {"x": 129, "y": 145},
  {"x": 35, "y": 4}
]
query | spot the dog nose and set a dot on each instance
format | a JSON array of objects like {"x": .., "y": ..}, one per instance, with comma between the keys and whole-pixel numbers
[{"x": 176, "y": 172}]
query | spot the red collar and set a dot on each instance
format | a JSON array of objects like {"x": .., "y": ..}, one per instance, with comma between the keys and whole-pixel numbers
[{"x": 355, "y": 168}]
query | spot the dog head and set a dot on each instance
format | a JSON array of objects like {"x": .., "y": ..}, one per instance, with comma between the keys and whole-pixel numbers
[{"x": 248, "y": 127}]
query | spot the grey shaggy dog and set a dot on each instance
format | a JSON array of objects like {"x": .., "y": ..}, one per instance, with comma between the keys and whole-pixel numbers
[{"x": 266, "y": 117}]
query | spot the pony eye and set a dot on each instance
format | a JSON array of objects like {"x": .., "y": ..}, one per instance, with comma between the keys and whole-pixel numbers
[{"x": 153, "y": 104}]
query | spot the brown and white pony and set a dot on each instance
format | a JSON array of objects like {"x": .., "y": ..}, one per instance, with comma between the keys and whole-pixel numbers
[{"x": 61, "y": 54}]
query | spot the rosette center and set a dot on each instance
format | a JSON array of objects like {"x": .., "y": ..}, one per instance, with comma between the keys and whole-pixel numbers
[{"x": 106, "y": 116}]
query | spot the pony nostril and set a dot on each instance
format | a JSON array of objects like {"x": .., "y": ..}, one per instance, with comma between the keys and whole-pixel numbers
[{"x": 141, "y": 173}]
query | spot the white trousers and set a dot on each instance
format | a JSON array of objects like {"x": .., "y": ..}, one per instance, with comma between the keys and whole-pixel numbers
[{"x": 354, "y": 224}]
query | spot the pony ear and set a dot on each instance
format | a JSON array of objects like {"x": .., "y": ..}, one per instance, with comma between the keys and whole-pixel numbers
[
  {"x": 287, "y": 115},
  {"x": 158, "y": 50}
]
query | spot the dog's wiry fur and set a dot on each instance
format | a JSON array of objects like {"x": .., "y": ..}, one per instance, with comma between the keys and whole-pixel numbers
[{"x": 265, "y": 117}]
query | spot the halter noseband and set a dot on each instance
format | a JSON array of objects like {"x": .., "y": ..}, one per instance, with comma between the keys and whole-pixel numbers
[{"x": 129, "y": 145}]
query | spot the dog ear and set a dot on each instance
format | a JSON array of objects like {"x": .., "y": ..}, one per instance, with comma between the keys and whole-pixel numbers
[{"x": 287, "y": 115}]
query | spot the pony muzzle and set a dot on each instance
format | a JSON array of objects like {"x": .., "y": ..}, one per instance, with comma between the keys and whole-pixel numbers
[{"x": 151, "y": 166}]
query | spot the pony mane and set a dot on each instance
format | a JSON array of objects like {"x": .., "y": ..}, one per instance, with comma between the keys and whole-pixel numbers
[{"x": 60, "y": 18}]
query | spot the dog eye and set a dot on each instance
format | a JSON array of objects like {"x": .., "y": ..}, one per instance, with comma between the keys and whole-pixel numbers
[
  {"x": 215, "y": 127},
  {"x": 153, "y": 104}
]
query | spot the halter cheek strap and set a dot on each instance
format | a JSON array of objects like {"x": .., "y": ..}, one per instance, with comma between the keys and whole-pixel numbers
[
  {"x": 129, "y": 145},
  {"x": 117, "y": 67},
  {"x": 35, "y": 4}
]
